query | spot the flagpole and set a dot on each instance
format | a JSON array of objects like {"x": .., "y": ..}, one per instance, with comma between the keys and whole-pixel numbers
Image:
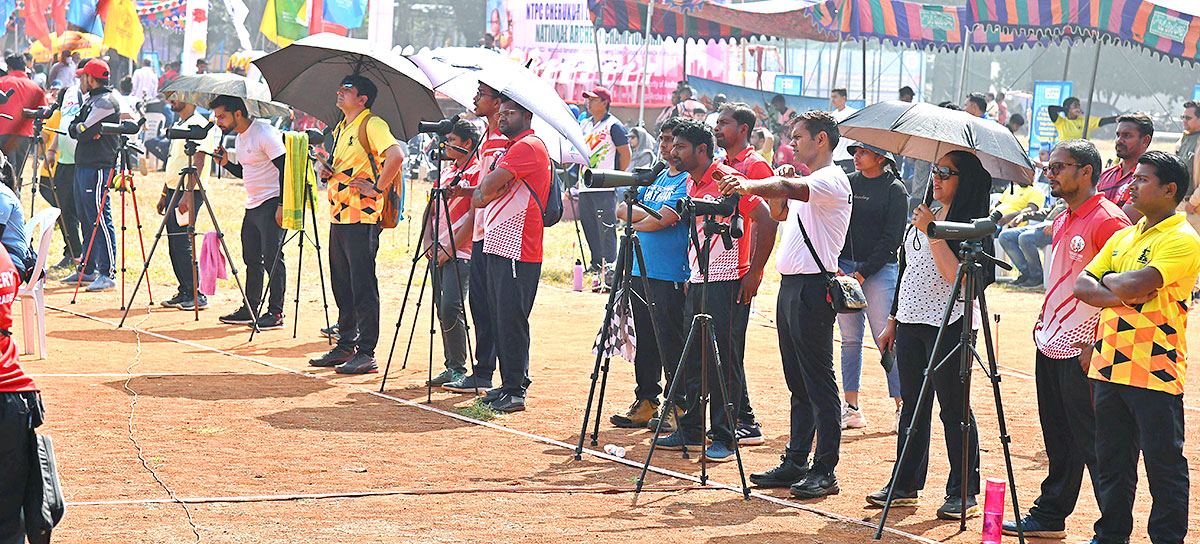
[
  {"x": 646, "y": 63},
  {"x": 962, "y": 74}
]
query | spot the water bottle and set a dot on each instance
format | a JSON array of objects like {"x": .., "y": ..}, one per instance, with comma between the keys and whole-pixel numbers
[
  {"x": 614, "y": 450},
  {"x": 577, "y": 276},
  {"x": 993, "y": 511}
]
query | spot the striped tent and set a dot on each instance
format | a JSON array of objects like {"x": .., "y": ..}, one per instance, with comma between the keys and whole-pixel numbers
[
  {"x": 912, "y": 24},
  {"x": 1166, "y": 28},
  {"x": 712, "y": 21}
]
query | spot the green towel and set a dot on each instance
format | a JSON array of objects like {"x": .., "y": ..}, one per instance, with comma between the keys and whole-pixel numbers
[{"x": 298, "y": 172}]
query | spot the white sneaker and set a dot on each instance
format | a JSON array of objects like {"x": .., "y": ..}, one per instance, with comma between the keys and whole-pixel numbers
[{"x": 851, "y": 418}]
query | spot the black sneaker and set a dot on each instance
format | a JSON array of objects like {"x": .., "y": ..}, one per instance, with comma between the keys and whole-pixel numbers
[
  {"x": 749, "y": 434},
  {"x": 175, "y": 301},
  {"x": 267, "y": 322},
  {"x": 1032, "y": 526},
  {"x": 360, "y": 363},
  {"x": 241, "y": 317},
  {"x": 787, "y": 474},
  {"x": 818, "y": 483},
  {"x": 335, "y": 357},
  {"x": 188, "y": 306},
  {"x": 899, "y": 498},
  {"x": 953, "y": 508},
  {"x": 508, "y": 403}
]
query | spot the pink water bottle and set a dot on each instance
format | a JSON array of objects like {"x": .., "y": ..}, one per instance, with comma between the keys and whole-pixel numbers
[
  {"x": 577, "y": 276},
  {"x": 993, "y": 511}
]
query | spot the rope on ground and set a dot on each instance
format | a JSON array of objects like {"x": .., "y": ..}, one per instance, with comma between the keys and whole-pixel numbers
[{"x": 137, "y": 359}]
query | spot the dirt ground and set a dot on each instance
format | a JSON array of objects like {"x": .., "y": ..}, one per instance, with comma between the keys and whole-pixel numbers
[{"x": 217, "y": 416}]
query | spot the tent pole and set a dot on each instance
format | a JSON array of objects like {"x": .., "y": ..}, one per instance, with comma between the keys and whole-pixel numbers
[
  {"x": 646, "y": 62},
  {"x": 864, "y": 70},
  {"x": 1087, "y": 120},
  {"x": 960, "y": 92},
  {"x": 596, "y": 39},
  {"x": 1066, "y": 63},
  {"x": 837, "y": 60},
  {"x": 685, "y": 40}
]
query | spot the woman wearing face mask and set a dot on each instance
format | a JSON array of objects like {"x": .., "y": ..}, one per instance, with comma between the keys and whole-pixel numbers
[{"x": 927, "y": 272}]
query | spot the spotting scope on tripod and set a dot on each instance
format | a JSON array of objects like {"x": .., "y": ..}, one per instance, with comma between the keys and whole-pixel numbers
[{"x": 642, "y": 176}]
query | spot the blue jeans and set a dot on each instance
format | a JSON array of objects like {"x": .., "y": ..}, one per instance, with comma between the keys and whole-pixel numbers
[
  {"x": 880, "y": 289},
  {"x": 91, "y": 186},
  {"x": 1021, "y": 244}
]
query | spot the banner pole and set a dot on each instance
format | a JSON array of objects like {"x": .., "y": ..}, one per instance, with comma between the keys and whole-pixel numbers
[
  {"x": 1087, "y": 120},
  {"x": 837, "y": 59},
  {"x": 646, "y": 64}
]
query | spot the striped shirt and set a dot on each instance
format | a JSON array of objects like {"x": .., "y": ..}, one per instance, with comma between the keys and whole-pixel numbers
[{"x": 459, "y": 206}]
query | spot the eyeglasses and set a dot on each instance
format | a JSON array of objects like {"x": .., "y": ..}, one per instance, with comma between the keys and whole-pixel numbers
[
  {"x": 1055, "y": 167},
  {"x": 481, "y": 94},
  {"x": 943, "y": 172}
]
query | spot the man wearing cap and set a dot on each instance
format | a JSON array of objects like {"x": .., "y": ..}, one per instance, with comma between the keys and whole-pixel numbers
[
  {"x": 16, "y": 132},
  {"x": 95, "y": 157},
  {"x": 608, "y": 149},
  {"x": 358, "y": 184}
]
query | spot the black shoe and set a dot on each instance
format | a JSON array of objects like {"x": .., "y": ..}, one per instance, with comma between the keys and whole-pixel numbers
[
  {"x": 241, "y": 317},
  {"x": 489, "y": 396},
  {"x": 175, "y": 301},
  {"x": 899, "y": 498},
  {"x": 188, "y": 305},
  {"x": 508, "y": 403},
  {"x": 818, "y": 483},
  {"x": 360, "y": 363},
  {"x": 267, "y": 322},
  {"x": 1032, "y": 526},
  {"x": 335, "y": 357},
  {"x": 953, "y": 508},
  {"x": 787, "y": 474},
  {"x": 1021, "y": 278}
]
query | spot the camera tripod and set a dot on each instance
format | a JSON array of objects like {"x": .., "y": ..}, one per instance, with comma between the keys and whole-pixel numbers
[
  {"x": 618, "y": 296},
  {"x": 702, "y": 332},
  {"x": 968, "y": 288},
  {"x": 36, "y": 149},
  {"x": 120, "y": 179},
  {"x": 189, "y": 172},
  {"x": 439, "y": 204}
]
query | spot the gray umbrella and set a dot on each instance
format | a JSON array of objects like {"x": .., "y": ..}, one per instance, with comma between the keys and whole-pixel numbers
[
  {"x": 201, "y": 89},
  {"x": 927, "y": 132},
  {"x": 307, "y": 74}
]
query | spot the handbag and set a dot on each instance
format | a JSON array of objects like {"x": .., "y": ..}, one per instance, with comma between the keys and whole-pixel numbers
[
  {"x": 44, "y": 505},
  {"x": 843, "y": 293}
]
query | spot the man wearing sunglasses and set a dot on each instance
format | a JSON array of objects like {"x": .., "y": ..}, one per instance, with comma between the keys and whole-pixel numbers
[{"x": 1063, "y": 393}]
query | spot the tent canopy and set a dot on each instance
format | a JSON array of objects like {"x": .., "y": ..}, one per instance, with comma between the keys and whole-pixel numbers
[
  {"x": 716, "y": 22},
  {"x": 913, "y": 24}
]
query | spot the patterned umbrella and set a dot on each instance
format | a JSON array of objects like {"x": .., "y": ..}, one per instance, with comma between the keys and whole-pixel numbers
[{"x": 201, "y": 89}]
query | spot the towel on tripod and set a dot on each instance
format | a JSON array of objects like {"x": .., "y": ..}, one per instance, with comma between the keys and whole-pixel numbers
[
  {"x": 622, "y": 339},
  {"x": 298, "y": 173},
  {"x": 211, "y": 264}
]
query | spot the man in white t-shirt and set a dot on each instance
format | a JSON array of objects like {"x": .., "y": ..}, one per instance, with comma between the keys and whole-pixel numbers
[
  {"x": 820, "y": 204},
  {"x": 261, "y": 157},
  {"x": 178, "y": 245},
  {"x": 840, "y": 111},
  {"x": 608, "y": 143},
  {"x": 145, "y": 82}
]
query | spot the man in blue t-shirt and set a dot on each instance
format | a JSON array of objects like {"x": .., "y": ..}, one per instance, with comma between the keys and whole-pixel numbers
[{"x": 659, "y": 341}]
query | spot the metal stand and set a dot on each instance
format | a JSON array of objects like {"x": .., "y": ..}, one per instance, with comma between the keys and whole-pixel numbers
[
  {"x": 189, "y": 148},
  {"x": 968, "y": 289},
  {"x": 36, "y": 149}
]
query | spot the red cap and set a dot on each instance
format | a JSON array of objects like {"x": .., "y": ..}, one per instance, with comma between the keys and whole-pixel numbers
[
  {"x": 600, "y": 92},
  {"x": 96, "y": 68}
]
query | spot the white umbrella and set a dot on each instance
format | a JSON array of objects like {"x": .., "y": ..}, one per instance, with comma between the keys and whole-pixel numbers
[{"x": 457, "y": 71}]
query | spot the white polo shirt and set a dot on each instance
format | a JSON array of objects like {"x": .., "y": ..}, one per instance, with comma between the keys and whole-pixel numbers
[
  {"x": 826, "y": 218},
  {"x": 256, "y": 148}
]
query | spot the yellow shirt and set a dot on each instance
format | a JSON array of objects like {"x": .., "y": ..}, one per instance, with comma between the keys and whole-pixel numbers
[
  {"x": 1017, "y": 198},
  {"x": 46, "y": 168},
  {"x": 350, "y": 161},
  {"x": 1072, "y": 129},
  {"x": 1145, "y": 345}
]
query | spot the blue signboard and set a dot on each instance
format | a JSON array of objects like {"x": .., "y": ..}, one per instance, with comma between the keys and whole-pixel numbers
[
  {"x": 788, "y": 84},
  {"x": 1045, "y": 94},
  {"x": 1196, "y": 92}
]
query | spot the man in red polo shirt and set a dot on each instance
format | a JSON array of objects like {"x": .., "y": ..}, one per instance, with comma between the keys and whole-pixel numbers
[
  {"x": 728, "y": 268},
  {"x": 1063, "y": 392},
  {"x": 513, "y": 193},
  {"x": 16, "y": 132},
  {"x": 1134, "y": 132},
  {"x": 20, "y": 412},
  {"x": 735, "y": 122}
]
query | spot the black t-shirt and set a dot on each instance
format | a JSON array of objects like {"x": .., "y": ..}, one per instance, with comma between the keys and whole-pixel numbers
[{"x": 877, "y": 221}]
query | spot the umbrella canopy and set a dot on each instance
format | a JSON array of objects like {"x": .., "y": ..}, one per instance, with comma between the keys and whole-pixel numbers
[
  {"x": 201, "y": 89},
  {"x": 307, "y": 74},
  {"x": 927, "y": 132},
  {"x": 457, "y": 71},
  {"x": 88, "y": 45}
]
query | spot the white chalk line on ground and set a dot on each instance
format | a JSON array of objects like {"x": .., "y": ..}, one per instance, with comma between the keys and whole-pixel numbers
[{"x": 550, "y": 441}]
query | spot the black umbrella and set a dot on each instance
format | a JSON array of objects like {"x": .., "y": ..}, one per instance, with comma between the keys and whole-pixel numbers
[
  {"x": 307, "y": 74},
  {"x": 927, "y": 132}
]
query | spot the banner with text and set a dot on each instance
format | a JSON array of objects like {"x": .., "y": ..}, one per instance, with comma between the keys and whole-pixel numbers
[{"x": 1045, "y": 94}]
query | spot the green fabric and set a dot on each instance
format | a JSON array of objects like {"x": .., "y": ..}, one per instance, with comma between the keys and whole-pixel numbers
[{"x": 297, "y": 173}]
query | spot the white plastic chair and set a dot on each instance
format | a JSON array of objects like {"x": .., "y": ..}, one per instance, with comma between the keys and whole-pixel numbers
[{"x": 33, "y": 294}]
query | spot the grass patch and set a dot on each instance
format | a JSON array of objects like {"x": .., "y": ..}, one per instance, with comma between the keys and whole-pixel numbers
[{"x": 477, "y": 410}]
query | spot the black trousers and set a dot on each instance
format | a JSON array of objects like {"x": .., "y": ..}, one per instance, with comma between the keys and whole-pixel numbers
[
  {"x": 481, "y": 315},
  {"x": 805, "y": 321},
  {"x": 60, "y": 193},
  {"x": 512, "y": 286},
  {"x": 181, "y": 251},
  {"x": 914, "y": 346},
  {"x": 352, "y": 249},
  {"x": 16, "y": 428},
  {"x": 262, "y": 240},
  {"x": 666, "y": 299},
  {"x": 1151, "y": 422},
  {"x": 1069, "y": 431},
  {"x": 729, "y": 320},
  {"x": 597, "y": 209}
]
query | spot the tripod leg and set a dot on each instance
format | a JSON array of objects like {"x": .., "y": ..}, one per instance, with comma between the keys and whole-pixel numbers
[
  {"x": 269, "y": 278},
  {"x": 92, "y": 239},
  {"x": 669, "y": 403},
  {"x": 137, "y": 217},
  {"x": 602, "y": 364},
  {"x": 417, "y": 313},
  {"x": 176, "y": 195},
  {"x": 412, "y": 272},
  {"x": 316, "y": 242},
  {"x": 191, "y": 237},
  {"x": 728, "y": 406},
  {"x": 994, "y": 374},
  {"x": 122, "y": 249},
  {"x": 224, "y": 247}
]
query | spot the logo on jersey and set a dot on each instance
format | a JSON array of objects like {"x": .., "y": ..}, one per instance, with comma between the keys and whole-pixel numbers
[{"x": 1077, "y": 244}]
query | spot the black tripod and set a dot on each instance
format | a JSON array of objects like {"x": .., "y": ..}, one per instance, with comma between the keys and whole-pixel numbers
[
  {"x": 622, "y": 288},
  {"x": 36, "y": 146},
  {"x": 702, "y": 331},
  {"x": 300, "y": 236},
  {"x": 439, "y": 204},
  {"x": 967, "y": 289},
  {"x": 189, "y": 172}
]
